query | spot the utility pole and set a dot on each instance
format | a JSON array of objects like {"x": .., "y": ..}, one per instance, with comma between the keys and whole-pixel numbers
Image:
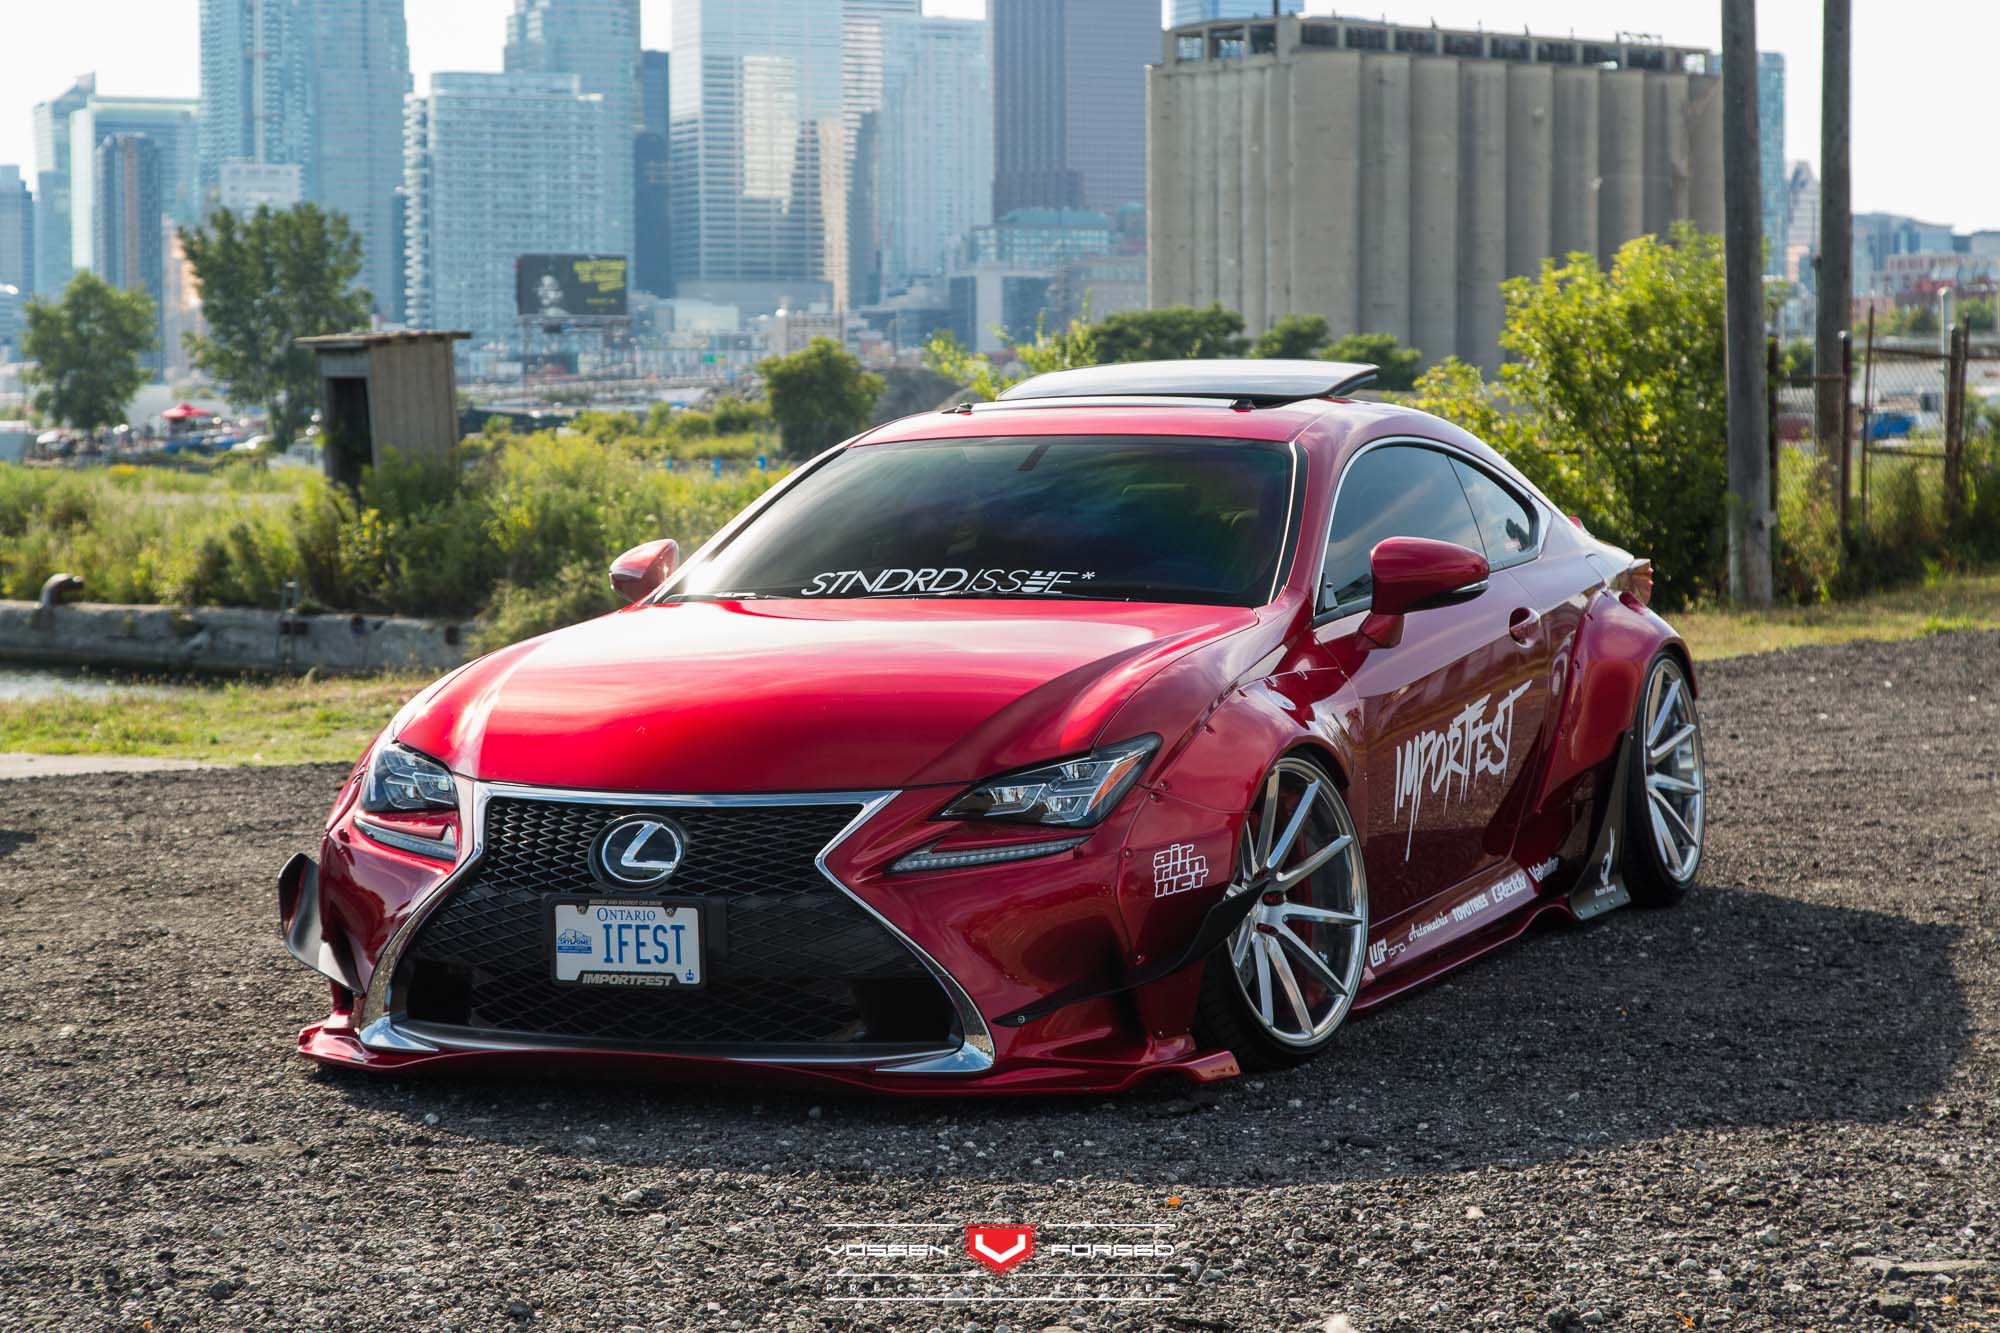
[
  {"x": 1743, "y": 257},
  {"x": 1836, "y": 220}
]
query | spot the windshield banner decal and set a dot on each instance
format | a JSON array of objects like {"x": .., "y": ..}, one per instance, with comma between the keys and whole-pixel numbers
[{"x": 938, "y": 581}]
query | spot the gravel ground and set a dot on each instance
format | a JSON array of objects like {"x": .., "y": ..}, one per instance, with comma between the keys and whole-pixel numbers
[{"x": 1774, "y": 1107}]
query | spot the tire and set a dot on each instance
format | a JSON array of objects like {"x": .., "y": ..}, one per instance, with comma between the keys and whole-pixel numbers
[
  {"x": 1277, "y": 992},
  {"x": 1666, "y": 789}
]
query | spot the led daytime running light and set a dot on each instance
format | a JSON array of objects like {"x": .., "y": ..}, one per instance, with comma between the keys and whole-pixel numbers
[{"x": 929, "y": 858}]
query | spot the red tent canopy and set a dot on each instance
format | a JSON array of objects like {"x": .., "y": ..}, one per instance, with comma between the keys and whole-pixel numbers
[{"x": 183, "y": 411}]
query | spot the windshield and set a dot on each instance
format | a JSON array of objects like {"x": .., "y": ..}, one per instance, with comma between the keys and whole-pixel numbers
[{"x": 1126, "y": 518}]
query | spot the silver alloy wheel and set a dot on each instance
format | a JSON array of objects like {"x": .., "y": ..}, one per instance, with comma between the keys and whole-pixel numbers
[
  {"x": 1676, "y": 789},
  {"x": 1298, "y": 955}
]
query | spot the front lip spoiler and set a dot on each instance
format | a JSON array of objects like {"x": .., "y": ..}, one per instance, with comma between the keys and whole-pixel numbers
[
  {"x": 379, "y": 1026},
  {"x": 299, "y": 924}
]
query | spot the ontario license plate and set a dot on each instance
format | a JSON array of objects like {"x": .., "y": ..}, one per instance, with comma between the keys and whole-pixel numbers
[{"x": 625, "y": 942}]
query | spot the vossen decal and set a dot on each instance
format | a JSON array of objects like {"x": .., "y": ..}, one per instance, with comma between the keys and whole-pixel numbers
[
  {"x": 1467, "y": 748},
  {"x": 857, "y": 1249},
  {"x": 1178, "y": 869},
  {"x": 931, "y": 580},
  {"x": 1545, "y": 869}
]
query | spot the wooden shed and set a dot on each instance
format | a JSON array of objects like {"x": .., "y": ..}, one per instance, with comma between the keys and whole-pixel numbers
[{"x": 385, "y": 390}]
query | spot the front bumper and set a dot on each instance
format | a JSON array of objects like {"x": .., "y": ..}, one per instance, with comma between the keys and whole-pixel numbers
[{"x": 993, "y": 939}]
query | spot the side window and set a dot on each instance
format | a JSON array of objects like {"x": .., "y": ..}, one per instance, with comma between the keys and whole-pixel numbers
[
  {"x": 1506, "y": 521},
  {"x": 1393, "y": 491}
]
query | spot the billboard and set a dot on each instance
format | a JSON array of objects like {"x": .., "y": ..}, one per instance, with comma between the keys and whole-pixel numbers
[{"x": 560, "y": 287}]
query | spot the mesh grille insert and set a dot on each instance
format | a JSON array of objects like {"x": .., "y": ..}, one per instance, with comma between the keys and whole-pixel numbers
[{"x": 795, "y": 960}]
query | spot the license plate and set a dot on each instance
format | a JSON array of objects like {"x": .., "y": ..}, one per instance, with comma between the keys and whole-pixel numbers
[{"x": 625, "y": 942}]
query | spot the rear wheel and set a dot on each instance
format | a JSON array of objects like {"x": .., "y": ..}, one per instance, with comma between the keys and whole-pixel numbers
[
  {"x": 1667, "y": 789},
  {"x": 1276, "y": 993}
]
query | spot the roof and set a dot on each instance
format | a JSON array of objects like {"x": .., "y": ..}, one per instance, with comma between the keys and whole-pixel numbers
[
  {"x": 1259, "y": 383},
  {"x": 347, "y": 342}
]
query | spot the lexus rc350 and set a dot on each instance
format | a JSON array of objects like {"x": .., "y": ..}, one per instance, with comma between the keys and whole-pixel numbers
[{"x": 1152, "y": 719}]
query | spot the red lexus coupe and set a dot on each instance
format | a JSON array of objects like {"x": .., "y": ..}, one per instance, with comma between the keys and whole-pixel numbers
[{"x": 1149, "y": 720}]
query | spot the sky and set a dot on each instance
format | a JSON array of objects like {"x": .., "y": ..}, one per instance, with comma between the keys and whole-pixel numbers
[{"x": 1926, "y": 72}]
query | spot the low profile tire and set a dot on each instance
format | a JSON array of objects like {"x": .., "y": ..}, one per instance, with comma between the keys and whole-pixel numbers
[
  {"x": 1278, "y": 990},
  {"x": 1666, "y": 815}
]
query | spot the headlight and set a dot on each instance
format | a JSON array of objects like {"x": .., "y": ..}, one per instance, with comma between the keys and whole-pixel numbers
[
  {"x": 1074, "y": 793},
  {"x": 400, "y": 779}
]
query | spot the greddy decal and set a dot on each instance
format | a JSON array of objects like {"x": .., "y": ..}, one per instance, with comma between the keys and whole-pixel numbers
[
  {"x": 1471, "y": 745},
  {"x": 946, "y": 579},
  {"x": 1177, "y": 869}
]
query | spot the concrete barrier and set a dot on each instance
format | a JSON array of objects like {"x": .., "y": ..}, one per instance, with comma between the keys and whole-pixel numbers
[{"x": 224, "y": 639}]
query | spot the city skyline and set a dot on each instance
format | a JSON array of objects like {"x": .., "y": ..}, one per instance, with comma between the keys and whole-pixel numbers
[{"x": 151, "y": 49}]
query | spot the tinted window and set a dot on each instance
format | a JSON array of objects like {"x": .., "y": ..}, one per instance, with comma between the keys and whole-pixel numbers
[
  {"x": 1506, "y": 521},
  {"x": 1397, "y": 491},
  {"x": 1126, "y": 518}
]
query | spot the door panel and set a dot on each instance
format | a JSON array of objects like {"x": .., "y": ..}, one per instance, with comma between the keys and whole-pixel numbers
[{"x": 1445, "y": 719}]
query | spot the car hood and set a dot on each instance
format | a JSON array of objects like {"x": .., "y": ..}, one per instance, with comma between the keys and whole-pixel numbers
[{"x": 852, "y": 695}]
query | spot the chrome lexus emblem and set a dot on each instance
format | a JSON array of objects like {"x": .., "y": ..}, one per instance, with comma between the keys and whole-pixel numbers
[{"x": 638, "y": 850}]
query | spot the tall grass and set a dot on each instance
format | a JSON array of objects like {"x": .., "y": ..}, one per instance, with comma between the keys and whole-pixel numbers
[{"x": 521, "y": 527}]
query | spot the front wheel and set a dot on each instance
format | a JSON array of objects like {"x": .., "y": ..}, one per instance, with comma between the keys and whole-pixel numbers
[
  {"x": 1666, "y": 790},
  {"x": 1288, "y": 975}
]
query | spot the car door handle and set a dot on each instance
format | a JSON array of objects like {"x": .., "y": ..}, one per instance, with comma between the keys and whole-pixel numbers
[{"x": 1525, "y": 625}]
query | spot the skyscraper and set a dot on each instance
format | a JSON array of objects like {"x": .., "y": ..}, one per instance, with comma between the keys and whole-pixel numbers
[
  {"x": 1773, "y": 173},
  {"x": 1205, "y": 11},
  {"x": 169, "y": 123},
  {"x": 255, "y": 70},
  {"x": 861, "y": 26},
  {"x": 17, "y": 232},
  {"x": 598, "y": 42},
  {"x": 758, "y": 153},
  {"x": 53, "y": 264},
  {"x": 936, "y": 139},
  {"x": 358, "y": 76},
  {"x": 496, "y": 166},
  {"x": 652, "y": 256},
  {"x": 1069, "y": 102},
  {"x": 128, "y": 207}
]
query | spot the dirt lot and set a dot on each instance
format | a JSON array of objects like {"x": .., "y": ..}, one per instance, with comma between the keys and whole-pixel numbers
[{"x": 1775, "y": 1107}]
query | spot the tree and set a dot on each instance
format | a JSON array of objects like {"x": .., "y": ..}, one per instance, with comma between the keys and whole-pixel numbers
[
  {"x": 1611, "y": 400},
  {"x": 86, "y": 349},
  {"x": 1073, "y": 345},
  {"x": 819, "y": 395},
  {"x": 267, "y": 281},
  {"x": 1396, "y": 365},
  {"x": 1293, "y": 336},
  {"x": 1173, "y": 334}
]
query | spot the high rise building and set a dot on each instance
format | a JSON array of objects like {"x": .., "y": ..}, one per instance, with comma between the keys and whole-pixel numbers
[
  {"x": 1802, "y": 230},
  {"x": 17, "y": 231},
  {"x": 495, "y": 166},
  {"x": 53, "y": 264},
  {"x": 1207, "y": 11},
  {"x": 655, "y": 85},
  {"x": 128, "y": 207},
  {"x": 758, "y": 153},
  {"x": 358, "y": 75},
  {"x": 936, "y": 137},
  {"x": 256, "y": 70},
  {"x": 1069, "y": 102},
  {"x": 652, "y": 255},
  {"x": 861, "y": 24},
  {"x": 598, "y": 42},
  {"x": 1772, "y": 175},
  {"x": 169, "y": 123},
  {"x": 1390, "y": 178}
]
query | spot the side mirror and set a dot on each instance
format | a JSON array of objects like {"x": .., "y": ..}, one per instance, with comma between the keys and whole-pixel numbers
[
  {"x": 1415, "y": 574},
  {"x": 644, "y": 567}
]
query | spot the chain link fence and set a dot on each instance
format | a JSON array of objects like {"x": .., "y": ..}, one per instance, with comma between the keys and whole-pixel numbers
[{"x": 1872, "y": 459}]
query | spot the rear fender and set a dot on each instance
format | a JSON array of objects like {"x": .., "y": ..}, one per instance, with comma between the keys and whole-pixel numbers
[{"x": 1614, "y": 645}]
